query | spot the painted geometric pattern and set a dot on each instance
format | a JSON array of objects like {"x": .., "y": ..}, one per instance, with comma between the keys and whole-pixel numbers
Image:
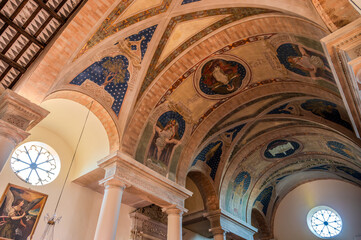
[
  {"x": 234, "y": 131},
  {"x": 110, "y": 73},
  {"x": 282, "y": 110},
  {"x": 189, "y": 1},
  {"x": 144, "y": 36},
  {"x": 235, "y": 14},
  {"x": 211, "y": 154},
  {"x": 109, "y": 27}
]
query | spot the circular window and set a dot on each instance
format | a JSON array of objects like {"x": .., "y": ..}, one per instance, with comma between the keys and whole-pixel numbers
[
  {"x": 324, "y": 222},
  {"x": 35, "y": 163}
]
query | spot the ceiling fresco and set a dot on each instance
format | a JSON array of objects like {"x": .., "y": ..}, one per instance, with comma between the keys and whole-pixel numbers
[
  {"x": 234, "y": 14},
  {"x": 112, "y": 24},
  {"x": 243, "y": 96}
]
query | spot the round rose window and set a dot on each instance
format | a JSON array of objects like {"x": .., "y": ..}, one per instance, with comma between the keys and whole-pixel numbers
[
  {"x": 324, "y": 222},
  {"x": 35, "y": 163}
]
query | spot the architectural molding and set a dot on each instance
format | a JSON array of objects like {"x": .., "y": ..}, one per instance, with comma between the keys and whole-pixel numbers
[
  {"x": 19, "y": 111},
  {"x": 223, "y": 222},
  {"x": 143, "y": 181},
  {"x": 342, "y": 48}
]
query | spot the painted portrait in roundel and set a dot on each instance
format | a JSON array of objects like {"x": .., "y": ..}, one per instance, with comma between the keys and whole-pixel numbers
[
  {"x": 221, "y": 76},
  {"x": 304, "y": 62},
  {"x": 168, "y": 131}
]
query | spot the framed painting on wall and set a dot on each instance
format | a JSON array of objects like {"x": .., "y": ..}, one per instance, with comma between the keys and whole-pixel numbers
[{"x": 20, "y": 210}]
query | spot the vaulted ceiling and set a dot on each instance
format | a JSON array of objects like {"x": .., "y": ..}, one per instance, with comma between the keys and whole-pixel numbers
[{"x": 229, "y": 93}]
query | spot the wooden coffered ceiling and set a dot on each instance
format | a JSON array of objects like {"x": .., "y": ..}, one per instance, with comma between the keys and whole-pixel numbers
[{"x": 26, "y": 28}]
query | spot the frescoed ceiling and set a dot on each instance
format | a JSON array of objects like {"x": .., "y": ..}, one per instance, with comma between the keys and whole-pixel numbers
[{"x": 238, "y": 91}]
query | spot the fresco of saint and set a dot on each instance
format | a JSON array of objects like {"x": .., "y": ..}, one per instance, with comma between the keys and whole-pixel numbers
[
  {"x": 221, "y": 77},
  {"x": 304, "y": 62},
  {"x": 168, "y": 132},
  {"x": 238, "y": 188}
]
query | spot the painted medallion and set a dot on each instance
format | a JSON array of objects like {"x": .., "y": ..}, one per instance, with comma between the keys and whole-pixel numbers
[
  {"x": 221, "y": 76},
  {"x": 281, "y": 148}
]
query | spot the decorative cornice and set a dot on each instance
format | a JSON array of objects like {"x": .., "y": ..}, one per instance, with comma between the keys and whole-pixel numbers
[
  {"x": 19, "y": 111},
  {"x": 144, "y": 181}
]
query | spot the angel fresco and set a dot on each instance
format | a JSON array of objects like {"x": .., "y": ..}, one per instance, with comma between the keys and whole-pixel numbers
[
  {"x": 168, "y": 132},
  {"x": 19, "y": 212},
  {"x": 302, "y": 61},
  {"x": 221, "y": 77}
]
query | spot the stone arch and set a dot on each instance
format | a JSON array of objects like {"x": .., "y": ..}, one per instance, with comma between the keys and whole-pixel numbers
[
  {"x": 258, "y": 221},
  {"x": 206, "y": 188},
  {"x": 97, "y": 109}
]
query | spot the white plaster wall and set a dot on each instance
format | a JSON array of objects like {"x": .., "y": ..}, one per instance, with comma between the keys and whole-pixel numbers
[
  {"x": 79, "y": 206},
  {"x": 290, "y": 219}
]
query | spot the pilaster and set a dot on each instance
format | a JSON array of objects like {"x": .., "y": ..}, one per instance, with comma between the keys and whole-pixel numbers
[
  {"x": 17, "y": 115},
  {"x": 343, "y": 51}
]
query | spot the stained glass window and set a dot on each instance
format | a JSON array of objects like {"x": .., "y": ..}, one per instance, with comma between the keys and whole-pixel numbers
[
  {"x": 324, "y": 222},
  {"x": 35, "y": 163}
]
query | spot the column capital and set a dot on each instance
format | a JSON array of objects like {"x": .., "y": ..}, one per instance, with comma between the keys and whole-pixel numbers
[
  {"x": 174, "y": 209},
  {"x": 217, "y": 231},
  {"x": 19, "y": 111},
  {"x": 113, "y": 182}
]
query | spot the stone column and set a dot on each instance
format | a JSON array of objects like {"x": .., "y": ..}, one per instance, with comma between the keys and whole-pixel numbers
[
  {"x": 174, "y": 231},
  {"x": 17, "y": 115},
  {"x": 214, "y": 218},
  {"x": 218, "y": 233},
  {"x": 109, "y": 212}
]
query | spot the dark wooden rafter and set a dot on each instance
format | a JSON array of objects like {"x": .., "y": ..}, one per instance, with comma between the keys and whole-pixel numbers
[
  {"x": 20, "y": 30},
  {"x": 12, "y": 63},
  {"x": 39, "y": 28},
  {"x": 50, "y": 11}
]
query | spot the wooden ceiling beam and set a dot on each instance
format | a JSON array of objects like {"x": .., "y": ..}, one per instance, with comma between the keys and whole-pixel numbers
[
  {"x": 12, "y": 63},
  {"x": 61, "y": 5},
  {"x": 50, "y": 11},
  {"x": 2, "y": 3},
  {"x": 18, "y": 9},
  {"x": 21, "y": 30}
]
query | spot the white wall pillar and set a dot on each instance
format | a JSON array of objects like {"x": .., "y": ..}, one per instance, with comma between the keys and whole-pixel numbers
[
  {"x": 9, "y": 138},
  {"x": 17, "y": 115},
  {"x": 109, "y": 212},
  {"x": 174, "y": 231}
]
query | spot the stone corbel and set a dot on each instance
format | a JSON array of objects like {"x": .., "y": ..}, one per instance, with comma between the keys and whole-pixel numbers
[
  {"x": 19, "y": 111},
  {"x": 142, "y": 181}
]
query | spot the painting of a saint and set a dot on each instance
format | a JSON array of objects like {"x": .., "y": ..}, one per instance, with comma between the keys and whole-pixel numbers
[
  {"x": 302, "y": 61},
  {"x": 327, "y": 110},
  {"x": 238, "y": 189},
  {"x": 20, "y": 210},
  {"x": 219, "y": 76},
  {"x": 168, "y": 132},
  {"x": 281, "y": 149}
]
